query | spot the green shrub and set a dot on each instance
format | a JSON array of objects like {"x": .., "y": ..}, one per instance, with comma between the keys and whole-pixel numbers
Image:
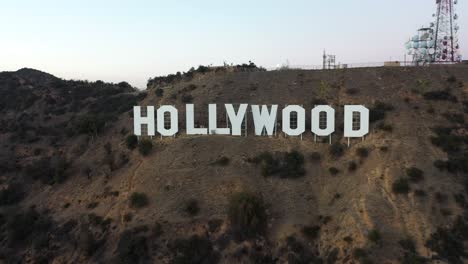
[
  {"x": 195, "y": 249},
  {"x": 333, "y": 171},
  {"x": 13, "y": 194},
  {"x": 401, "y": 186},
  {"x": 25, "y": 227},
  {"x": 440, "y": 96},
  {"x": 286, "y": 165},
  {"x": 186, "y": 98},
  {"x": 448, "y": 243},
  {"x": 311, "y": 232},
  {"x": 159, "y": 92},
  {"x": 191, "y": 207},
  {"x": 457, "y": 118},
  {"x": 315, "y": 156},
  {"x": 420, "y": 193},
  {"x": 414, "y": 174},
  {"x": 131, "y": 141},
  {"x": 89, "y": 124},
  {"x": 132, "y": 248},
  {"x": 362, "y": 152},
  {"x": 247, "y": 214},
  {"x": 374, "y": 236},
  {"x": 379, "y": 110},
  {"x": 138, "y": 200},
  {"x": 48, "y": 170},
  {"x": 222, "y": 161},
  {"x": 385, "y": 127},
  {"x": 145, "y": 146},
  {"x": 337, "y": 149},
  {"x": 352, "y": 166}
]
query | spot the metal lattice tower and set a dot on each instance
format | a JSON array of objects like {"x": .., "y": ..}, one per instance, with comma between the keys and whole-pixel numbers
[
  {"x": 437, "y": 43},
  {"x": 446, "y": 29}
]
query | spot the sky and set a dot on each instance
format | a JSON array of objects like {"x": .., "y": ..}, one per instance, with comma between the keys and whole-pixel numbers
[{"x": 134, "y": 40}]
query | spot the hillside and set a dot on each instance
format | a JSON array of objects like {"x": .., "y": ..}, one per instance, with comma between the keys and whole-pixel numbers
[{"x": 75, "y": 188}]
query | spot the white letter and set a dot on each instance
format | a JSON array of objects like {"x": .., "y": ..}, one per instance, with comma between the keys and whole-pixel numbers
[
  {"x": 174, "y": 117},
  {"x": 139, "y": 120},
  {"x": 212, "y": 124},
  {"x": 348, "y": 121},
  {"x": 300, "y": 120},
  {"x": 236, "y": 120},
  {"x": 264, "y": 119},
  {"x": 191, "y": 130},
  {"x": 330, "y": 116}
]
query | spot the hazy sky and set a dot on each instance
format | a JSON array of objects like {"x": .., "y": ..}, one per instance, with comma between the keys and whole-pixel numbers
[{"x": 134, "y": 40}]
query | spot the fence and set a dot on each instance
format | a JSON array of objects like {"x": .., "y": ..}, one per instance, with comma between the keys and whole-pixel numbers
[{"x": 357, "y": 65}]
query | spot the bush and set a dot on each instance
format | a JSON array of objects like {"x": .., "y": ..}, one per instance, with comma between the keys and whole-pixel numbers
[
  {"x": 222, "y": 161},
  {"x": 287, "y": 165},
  {"x": 23, "y": 228},
  {"x": 385, "y": 127},
  {"x": 132, "y": 248},
  {"x": 449, "y": 242},
  {"x": 333, "y": 171},
  {"x": 374, "y": 236},
  {"x": 145, "y": 146},
  {"x": 440, "y": 96},
  {"x": 138, "y": 200},
  {"x": 186, "y": 98},
  {"x": 159, "y": 92},
  {"x": 401, "y": 186},
  {"x": 337, "y": 149},
  {"x": 13, "y": 194},
  {"x": 131, "y": 141},
  {"x": 379, "y": 110},
  {"x": 191, "y": 207},
  {"x": 362, "y": 152},
  {"x": 247, "y": 214},
  {"x": 48, "y": 170},
  {"x": 414, "y": 174},
  {"x": 89, "y": 124},
  {"x": 195, "y": 249},
  {"x": 352, "y": 166},
  {"x": 315, "y": 156},
  {"x": 420, "y": 193},
  {"x": 311, "y": 232}
]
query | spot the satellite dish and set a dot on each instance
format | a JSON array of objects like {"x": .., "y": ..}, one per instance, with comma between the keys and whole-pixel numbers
[{"x": 431, "y": 51}]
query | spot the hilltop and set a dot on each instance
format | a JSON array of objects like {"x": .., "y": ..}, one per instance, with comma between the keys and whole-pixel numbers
[{"x": 76, "y": 186}]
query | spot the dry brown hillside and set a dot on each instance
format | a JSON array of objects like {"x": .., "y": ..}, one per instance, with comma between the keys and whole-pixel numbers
[{"x": 75, "y": 188}]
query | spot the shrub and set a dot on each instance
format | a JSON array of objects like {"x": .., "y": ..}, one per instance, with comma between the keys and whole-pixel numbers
[
  {"x": 362, "y": 152},
  {"x": 401, "y": 186},
  {"x": 132, "y": 248},
  {"x": 414, "y": 174},
  {"x": 333, "y": 171},
  {"x": 287, "y": 165},
  {"x": 186, "y": 98},
  {"x": 159, "y": 92},
  {"x": 25, "y": 227},
  {"x": 385, "y": 127},
  {"x": 448, "y": 242},
  {"x": 89, "y": 124},
  {"x": 247, "y": 214},
  {"x": 352, "y": 166},
  {"x": 337, "y": 149},
  {"x": 11, "y": 195},
  {"x": 131, "y": 141},
  {"x": 145, "y": 146},
  {"x": 452, "y": 79},
  {"x": 379, "y": 110},
  {"x": 222, "y": 161},
  {"x": 311, "y": 232},
  {"x": 420, "y": 193},
  {"x": 315, "y": 156},
  {"x": 457, "y": 118},
  {"x": 440, "y": 96},
  {"x": 138, "y": 200},
  {"x": 195, "y": 249},
  {"x": 48, "y": 170},
  {"x": 191, "y": 207},
  {"x": 374, "y": 236}
]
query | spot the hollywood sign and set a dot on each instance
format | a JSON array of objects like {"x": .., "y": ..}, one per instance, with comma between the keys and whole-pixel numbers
[{"x": 356, "y": 120}]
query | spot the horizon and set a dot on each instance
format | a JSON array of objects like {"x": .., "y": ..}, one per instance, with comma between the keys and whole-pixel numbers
[{"x": 133, "y": 42}]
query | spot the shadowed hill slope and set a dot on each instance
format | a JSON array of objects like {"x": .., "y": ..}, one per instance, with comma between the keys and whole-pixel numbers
[{"x": 76, "y": 188}]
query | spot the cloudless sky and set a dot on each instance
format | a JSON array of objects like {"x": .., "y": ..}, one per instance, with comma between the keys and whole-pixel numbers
[{"x": 134, "y": 40}]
